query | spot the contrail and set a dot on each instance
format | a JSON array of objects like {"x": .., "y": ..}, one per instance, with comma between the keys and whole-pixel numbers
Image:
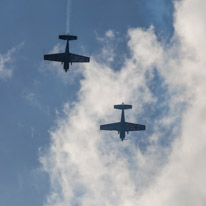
[{"x": 69, "y": 5}]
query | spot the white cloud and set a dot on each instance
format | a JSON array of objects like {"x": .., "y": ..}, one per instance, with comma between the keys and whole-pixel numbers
[
  {"x": 6, "y": 69},
  {"x": 82, "y": 159},
  {"x": 110, "y": 42},
  {"x": 88, "y": 167},
  {"x": 110, "y": 34},
  {"x": 182, "y": 180}
]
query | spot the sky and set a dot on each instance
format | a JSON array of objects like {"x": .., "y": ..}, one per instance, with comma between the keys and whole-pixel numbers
[{"x": 150, "y": 54}]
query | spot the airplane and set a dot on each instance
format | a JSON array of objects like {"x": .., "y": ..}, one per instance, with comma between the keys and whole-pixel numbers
[
  {"x": 122, "y": 126},
  {"x": 66, "y": 57}
]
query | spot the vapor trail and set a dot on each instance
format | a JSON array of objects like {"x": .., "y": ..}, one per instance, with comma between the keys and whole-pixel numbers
[{"x": 69, "y": 5}]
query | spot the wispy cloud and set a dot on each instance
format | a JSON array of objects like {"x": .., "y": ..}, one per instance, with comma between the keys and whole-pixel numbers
[
  {"x": 31, "y": 98},
  {"x": 109, "y": 43},
  {"x": 6, "y": 68},
  {"x": 165, "y": 83}
]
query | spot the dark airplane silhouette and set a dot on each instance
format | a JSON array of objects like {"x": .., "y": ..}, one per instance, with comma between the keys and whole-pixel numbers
[
  {"x": 122, "y": 126},
  {"x": 66, "y": 57}
]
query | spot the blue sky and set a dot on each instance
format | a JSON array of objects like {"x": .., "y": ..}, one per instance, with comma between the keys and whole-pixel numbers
[
  {"x": 34, "y": 93},
  {"x": 25, "y": 123}
]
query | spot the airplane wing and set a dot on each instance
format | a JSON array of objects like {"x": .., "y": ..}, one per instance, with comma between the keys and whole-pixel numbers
[
  {"x": 134, "y": 127},
  {"x": 113, "y": 126},
  {"x": 55, "y": 57},
  {"x": 78, "y": 58}
]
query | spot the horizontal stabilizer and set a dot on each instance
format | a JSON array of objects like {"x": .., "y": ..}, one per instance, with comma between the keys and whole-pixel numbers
[
  {"x": 67, "y": 37},
  {"x": 123, "y": 106}
]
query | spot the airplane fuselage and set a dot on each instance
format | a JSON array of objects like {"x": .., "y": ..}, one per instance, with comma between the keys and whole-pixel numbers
[
  {"x": 67, "y": 55},
  {"x": 122, "y": 127}
]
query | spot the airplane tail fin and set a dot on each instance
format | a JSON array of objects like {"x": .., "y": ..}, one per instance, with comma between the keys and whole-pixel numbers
[
  {"x": 67, "y": 37},
  {"x": 123, "y": 106}
]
